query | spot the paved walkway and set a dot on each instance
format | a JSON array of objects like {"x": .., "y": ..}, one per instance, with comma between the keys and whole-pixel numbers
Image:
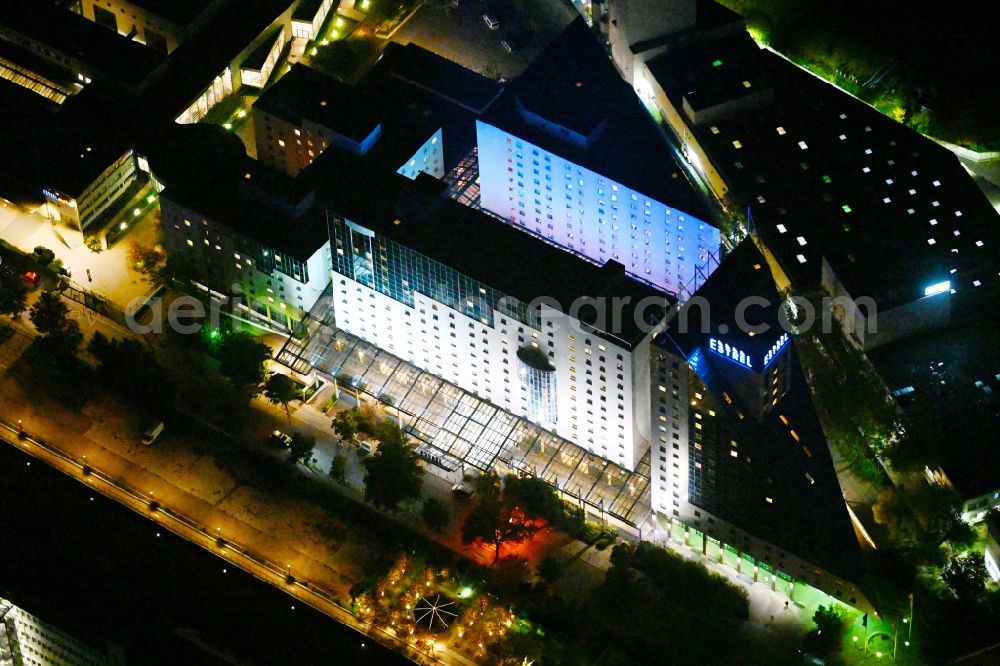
[{"x": 109, "y": 273}]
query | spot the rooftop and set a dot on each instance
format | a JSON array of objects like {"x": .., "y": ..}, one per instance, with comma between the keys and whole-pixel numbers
[
  {"x": 713, "y": 72},
  {"x": 574, "y": 85},
  {"x": 193, "y": 65},
  {"x": 743, "y": 274},
  {"x": 444, "y": 78},
  {"x": 826, "y": 176},
  {"x": 305, "y": 93},
  {"x": 110, "y": 55},
  {"x": 234, "y": 190},
  {"x": 806, "y": 514},
  {"x": 179, "y": 12},
  {"x": 402, "y": 93}
]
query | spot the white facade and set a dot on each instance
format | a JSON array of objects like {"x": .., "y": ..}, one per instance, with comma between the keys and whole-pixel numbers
[
  {"x": 593, "y": 216},
  {"x": 277, "y": 288},
  {"x": 26, "y": 640},
  {"x": 601, "y": 395}
]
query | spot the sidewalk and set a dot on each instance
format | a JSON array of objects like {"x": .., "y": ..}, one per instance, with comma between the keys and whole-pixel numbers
[
  {"x": 765, "y": 603},
  {"x": 110, "y": 274}
]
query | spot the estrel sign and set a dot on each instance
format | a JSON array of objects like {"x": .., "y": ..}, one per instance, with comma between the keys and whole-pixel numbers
[
  {"x": 775, "y": 348},
  {"x": 738, "y": 356},
  {"x": 731, "y": 352}
]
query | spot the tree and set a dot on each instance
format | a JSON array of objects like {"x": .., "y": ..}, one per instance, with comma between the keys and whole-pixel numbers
[
  {"x": 13, "y": 296},
  {"x": 338, "y": 468},
  {"x": 44, "y": 256},
  {"x": 495, "y": 519},
  {"x": 491, "y": 70},
  {"x": 892, "y": 511},
  {"x": 243, "y": 359},
  {"x": 938, "y": 510},
  {"x": 830, "y": 624},
  {"x": 354, "y": 421},
  {"x": 147, "y": 261},
  {"x": 51, "y": 318},
  {"x": 435, "y": 514},
  {"x": 49, "y": 314},
  {"x": 966, "y": 576},
  {"x": 131, "y": 371},
  {"x": 549, "y": 569},
  {"x": 300, "y": 449},
  {"x": 393, "y": 474},
  {"x": 535, "y": 497},
  {"x": 280, "y": 389}
]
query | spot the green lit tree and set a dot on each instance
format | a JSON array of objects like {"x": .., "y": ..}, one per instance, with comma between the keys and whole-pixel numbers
[
  {"x": 965, "y": 575},
  {"x": 243, "y": 359}
]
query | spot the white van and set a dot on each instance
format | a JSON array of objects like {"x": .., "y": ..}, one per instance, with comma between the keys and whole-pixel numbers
[{"x": 152, "y": 431}]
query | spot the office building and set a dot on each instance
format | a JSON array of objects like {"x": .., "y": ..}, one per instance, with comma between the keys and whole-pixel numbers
[
  {"x": 25, "y": 640},
  {"x": 842, "y": 196},
  {"x": 568, "y": 154},
  {"x": 739, "y": 465}
]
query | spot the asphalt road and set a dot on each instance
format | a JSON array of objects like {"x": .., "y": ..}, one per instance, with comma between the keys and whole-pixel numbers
[{"x": 461, "y": 35}]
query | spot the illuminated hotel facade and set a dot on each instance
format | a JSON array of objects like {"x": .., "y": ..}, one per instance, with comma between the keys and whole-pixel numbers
[
  {"x": 593, "y": 216},
  {"x": 527, "y": 352},
  {"x": 568, "y": 154}
]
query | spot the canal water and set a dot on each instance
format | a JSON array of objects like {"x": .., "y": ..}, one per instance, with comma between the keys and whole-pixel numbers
[{"x": 103, "y": 574}]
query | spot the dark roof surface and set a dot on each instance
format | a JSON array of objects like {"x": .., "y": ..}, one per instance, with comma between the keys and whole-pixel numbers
[
  {"x": 179, "y": 12},
  {"x": 449, "y": 80},
  {"x": 193, "y": 65},
  {"x": 574, "y": 84},
  {"x": 807, "y": 518},
  {"x": 206, "y": 170},
  {"x": 304, "y": 93},
  {"x": 742, "y": 275},
  {"x": 119, "y": 59},
  {"x": 826, "y": 176},
  {"x": 713, "y": 72}
]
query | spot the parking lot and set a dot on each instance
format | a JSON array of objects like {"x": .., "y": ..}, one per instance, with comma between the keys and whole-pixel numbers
[{"x": 462, "y": 35}]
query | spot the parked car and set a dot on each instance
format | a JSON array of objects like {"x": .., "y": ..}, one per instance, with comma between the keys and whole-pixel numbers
[
  {"x": 505, "y": 45},
  {"x": 152, "y": 431},
  {"x": 281, "y": 439},
  {"x": 462, "y": 491},
  {"x": 491, "y": 21},
  {"x": 367, "y": 446}
]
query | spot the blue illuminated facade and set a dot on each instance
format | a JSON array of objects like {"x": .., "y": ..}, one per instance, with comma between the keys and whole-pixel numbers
[{"x": 593, "y": 216}]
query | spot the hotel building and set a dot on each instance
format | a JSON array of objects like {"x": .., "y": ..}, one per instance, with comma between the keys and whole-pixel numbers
[
  {"x": 568, "y": 154},
  {"x": 530, "y": 328},
  {"x": 740, "y": 468}
]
